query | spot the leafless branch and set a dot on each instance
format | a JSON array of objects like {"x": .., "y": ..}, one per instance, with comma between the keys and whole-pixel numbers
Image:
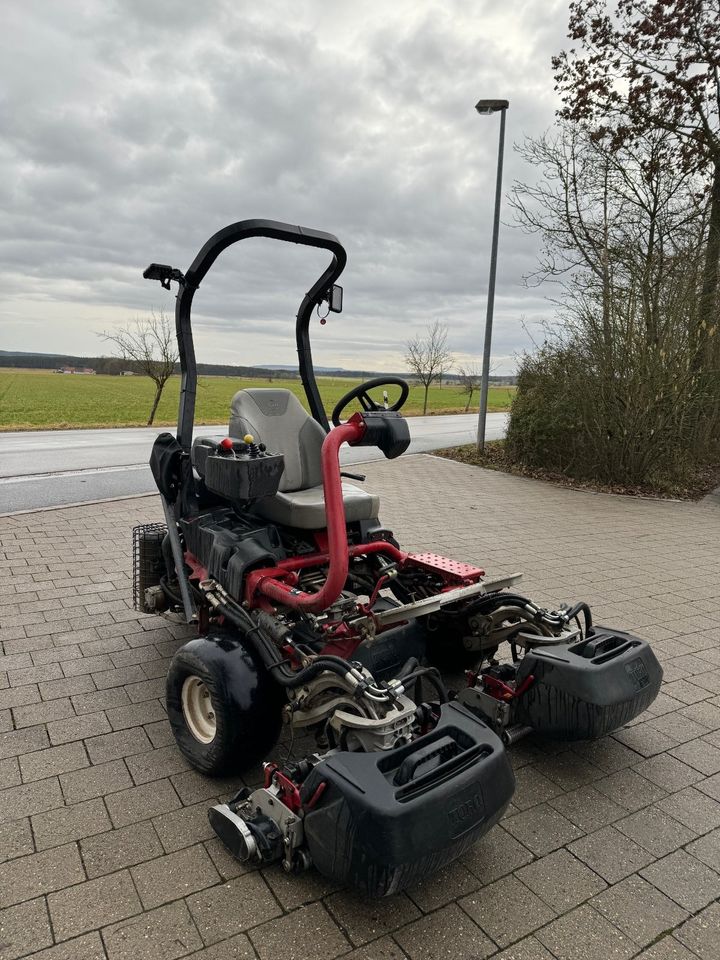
[
  {"x": 428, "y": 356},
  {"x": 148, "y": 345}
]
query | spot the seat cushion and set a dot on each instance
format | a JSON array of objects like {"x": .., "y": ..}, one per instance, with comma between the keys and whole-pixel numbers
[{"x": 306, "y": 508}]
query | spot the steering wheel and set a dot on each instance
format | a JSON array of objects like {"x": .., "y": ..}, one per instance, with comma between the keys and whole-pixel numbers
[{"x": 366, "y": 401}]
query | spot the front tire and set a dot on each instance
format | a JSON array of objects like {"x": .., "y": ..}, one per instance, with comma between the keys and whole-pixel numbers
[{"x": 223, "y": 706}]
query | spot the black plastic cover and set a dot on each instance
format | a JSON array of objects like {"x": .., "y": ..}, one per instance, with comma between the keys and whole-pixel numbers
[
  {"x": 587, "y": 689},
  {"x": 201, "y": 449},
  {"x": 244, "y": 477},
  {"x": 387, "y": 819},
  {"x": 228, "y": 545},
  {"x": 386, "y": 652},
  {"x": 166, "y": 465},
  {"x": 386, "y": 429}
]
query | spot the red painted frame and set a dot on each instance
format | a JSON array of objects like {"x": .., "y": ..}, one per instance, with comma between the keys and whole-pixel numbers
[
  {"x": 267, "y": 582},
  {"x": 278, "y": 584}
]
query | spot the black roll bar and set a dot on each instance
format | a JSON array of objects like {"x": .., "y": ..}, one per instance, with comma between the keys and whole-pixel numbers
[{"x": 188, "y": 284}]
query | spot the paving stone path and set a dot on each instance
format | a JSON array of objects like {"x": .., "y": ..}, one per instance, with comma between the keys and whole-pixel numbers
[{"x": 610, "y": 850}]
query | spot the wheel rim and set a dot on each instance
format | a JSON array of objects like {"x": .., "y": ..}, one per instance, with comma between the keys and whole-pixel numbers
[{"x": 198, "y": 710}]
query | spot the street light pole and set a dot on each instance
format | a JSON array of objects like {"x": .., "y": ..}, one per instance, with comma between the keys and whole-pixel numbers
[{"x": 488, "y": 107}]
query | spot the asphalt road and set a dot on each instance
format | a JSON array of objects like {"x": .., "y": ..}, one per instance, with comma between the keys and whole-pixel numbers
[{"x": 54, "y": 467}]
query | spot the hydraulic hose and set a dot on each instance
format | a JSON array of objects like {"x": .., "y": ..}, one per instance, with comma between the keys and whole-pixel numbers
[
  {"x": 286, "y": 677},
  {"x": 579, "y": 608},
  {"x": 432, "y": 677},
  {"x": 551, "y": 619},
  {"x": 175, "y": 597},
  {"x": 408, "y": 667},
  {"x": 268, "y": 653}
]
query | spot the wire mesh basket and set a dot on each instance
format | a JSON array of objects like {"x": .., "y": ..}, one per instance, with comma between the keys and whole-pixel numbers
[{"x": 148, "y": 563}]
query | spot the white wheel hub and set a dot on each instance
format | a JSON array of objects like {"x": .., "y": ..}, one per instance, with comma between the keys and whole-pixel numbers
[{"x": 198, "y": 709}]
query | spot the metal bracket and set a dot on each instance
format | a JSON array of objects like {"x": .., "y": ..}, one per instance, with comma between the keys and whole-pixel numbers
[
  {"x": 420, "y": 608},
  {"x": 176, "y": 546},
  {"x": 496, "y": 712}
]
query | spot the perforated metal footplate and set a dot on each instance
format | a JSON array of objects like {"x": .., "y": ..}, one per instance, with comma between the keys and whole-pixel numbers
[{"x": 452, "y": 571}]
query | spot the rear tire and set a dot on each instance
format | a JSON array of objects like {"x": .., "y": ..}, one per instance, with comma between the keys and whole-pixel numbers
[{"x": 223, "y": 706}]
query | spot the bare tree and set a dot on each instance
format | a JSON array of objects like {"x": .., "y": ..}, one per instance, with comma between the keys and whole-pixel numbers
[
  {"x": 149, "y": 345},
  {"x": 615, "y": 393},
  {"x": 470, "y": 379},
  {"x": 427, "y": 356},
  {"x": 642, "y": 66},
  {"x": 605, "y": 216}
]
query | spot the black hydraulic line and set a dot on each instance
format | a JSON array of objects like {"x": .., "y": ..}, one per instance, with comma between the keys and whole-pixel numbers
[
  {"x": 431, "y": 675},
  {"x": 168, "y": 556},
  {"x": 408, "y": 667},
  {"x": 165, "y": 584},
  {"x": 502, "y": 599},
  {"x": 505, "y": 599},
  {"x": 268, "y": 654},
  {"x": 170, "y": 593},
  {"x": 583, "y": 608}
]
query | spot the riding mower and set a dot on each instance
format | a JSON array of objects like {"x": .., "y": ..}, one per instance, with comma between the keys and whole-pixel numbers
[{"x": 311, "y": 616}]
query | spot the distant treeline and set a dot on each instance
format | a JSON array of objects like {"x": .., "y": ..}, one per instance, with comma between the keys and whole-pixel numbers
[{"x": 116, "y": 366}]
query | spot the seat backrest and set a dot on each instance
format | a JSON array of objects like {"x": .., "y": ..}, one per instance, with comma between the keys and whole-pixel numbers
[{"x": 278, "y": 419}]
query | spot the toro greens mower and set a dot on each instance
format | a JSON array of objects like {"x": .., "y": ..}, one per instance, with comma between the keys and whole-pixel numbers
[{"x": 310, "y": 615}]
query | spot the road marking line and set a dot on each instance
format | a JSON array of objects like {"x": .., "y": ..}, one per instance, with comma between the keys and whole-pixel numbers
[{"x": 23, "y": 478}]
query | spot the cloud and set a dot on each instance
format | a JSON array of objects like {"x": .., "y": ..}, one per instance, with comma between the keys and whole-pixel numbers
[{"x": 134, "y": 130}]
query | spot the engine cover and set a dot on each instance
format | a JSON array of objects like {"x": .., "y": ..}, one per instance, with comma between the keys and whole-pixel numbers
[{"x": 228, "y": 545}]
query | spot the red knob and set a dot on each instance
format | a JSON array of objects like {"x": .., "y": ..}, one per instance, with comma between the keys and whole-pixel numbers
[{"x": 226, "y": 444}]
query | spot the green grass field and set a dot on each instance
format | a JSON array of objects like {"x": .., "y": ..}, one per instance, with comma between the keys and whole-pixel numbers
[{"x": 42, "y": 400}]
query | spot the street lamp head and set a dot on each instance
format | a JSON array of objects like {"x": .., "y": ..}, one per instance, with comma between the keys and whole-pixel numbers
[{"x": 491, "y": 106}]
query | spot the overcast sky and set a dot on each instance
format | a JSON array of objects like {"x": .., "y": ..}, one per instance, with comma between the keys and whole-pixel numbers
[{"x": 134, "y": 129}]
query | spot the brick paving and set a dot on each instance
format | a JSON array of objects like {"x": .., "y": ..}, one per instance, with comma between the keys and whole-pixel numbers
[{"x": 610, "y": 849}]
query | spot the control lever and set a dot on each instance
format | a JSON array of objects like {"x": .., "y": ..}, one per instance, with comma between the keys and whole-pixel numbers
[
  {"x": 353, "y": 476},
  {"x": 253, "y": 449}
]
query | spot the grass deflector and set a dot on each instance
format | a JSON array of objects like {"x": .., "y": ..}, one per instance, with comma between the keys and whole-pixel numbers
[{"x": 311, "y": 615}]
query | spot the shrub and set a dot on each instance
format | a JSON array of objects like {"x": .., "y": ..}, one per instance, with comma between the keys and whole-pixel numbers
[{"x": 649, "y": 419}]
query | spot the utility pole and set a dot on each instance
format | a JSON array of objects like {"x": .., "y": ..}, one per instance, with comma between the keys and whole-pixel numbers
[{"x": 487, "y": 107}]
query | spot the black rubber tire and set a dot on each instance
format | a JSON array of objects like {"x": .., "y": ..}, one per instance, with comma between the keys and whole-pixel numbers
[{"x": 246, "y": 701}]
